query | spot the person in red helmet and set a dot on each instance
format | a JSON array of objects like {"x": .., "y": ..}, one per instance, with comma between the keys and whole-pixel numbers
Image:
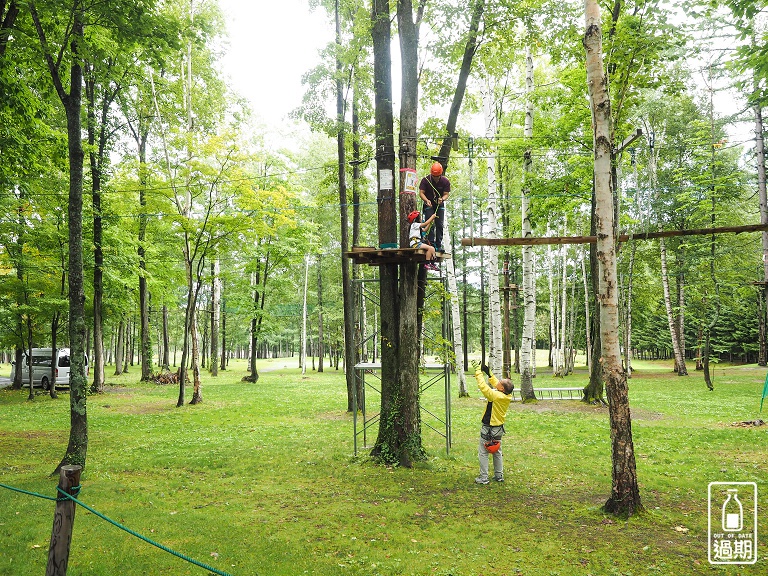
[
  {"x": 434, "y": 190},
  {"x": 499, "y": 395},
  {"x": 415, "y": 239}
]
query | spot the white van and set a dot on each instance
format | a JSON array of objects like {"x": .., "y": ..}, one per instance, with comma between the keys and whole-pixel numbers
[{"x": 41, "y": 368}]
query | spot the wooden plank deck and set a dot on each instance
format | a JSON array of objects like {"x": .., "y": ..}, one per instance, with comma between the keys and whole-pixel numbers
[{"x": 376, "y": 256}]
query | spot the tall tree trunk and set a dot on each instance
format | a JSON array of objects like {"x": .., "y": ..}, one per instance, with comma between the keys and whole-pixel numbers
[
  {"x": 132, "y": 355},
  {"x": 346, "y": 282},
  {"x": 506, "y": 310},
  {"x": 458, "y": 347},
  {"x": 140, "y": 130},
  {"x": 470, "y": 48},
  {"x": 761, "y": 311},
  {"x": 206, "y": 326},
  {"x": 628, "y": 312},
  {"x": 553, "y": 352},
  {"x": 386, "y": 446},
  {"x": 570, "y": 356},
  {"x": 359, "y": 354},
  {"x": 483, "y": 309},
  {"x": 680, "y": 291},
  {"x": 712, "y": 256},
  {"x": 492, "y": 268},
  {"x": 224, "y": 352},
  {"x": 146, "y": 342},
  {"x": 535, "y": 304},
  {"x": 119, "y": 347},
  {"x": 77, "y": 446},
  {"x": 412, "y": 281},
  {"x": 625, "y": 494},
  {"x": 588, "y": 334},
  {"x": 506, "y": 344},
  {"x": 127, "y": 345},
  {"x": 593, "y": 392},
  {"x": 189, "y": 313},
  {"x": 364, "y": 338},
  {"x": 515, "y": 289},
  {"x": 465, "y": 298},
  {"x": 528, "y": 341},
  {"x": 320, "y": 342},
  {"x": 96, "y": 156},
  {"x": 563, "y": 306},
  {"x": 7, "y": 19},
  {"x": 399, "y": 438},
  {"x": 189, "y": 319},
  {"x": 255, "y": 280},
  {"x": 215, "y": 316},
  {"x": 197, "y": 391},
  {"x": 166, "y": 341},
  {"x": 762, "y": 359},
  {"x": 671, "y": 320},
  {"x": 55, "y": 344},
  {"x": 303, "y": 354},
  {"x": 705, "y": 360}
]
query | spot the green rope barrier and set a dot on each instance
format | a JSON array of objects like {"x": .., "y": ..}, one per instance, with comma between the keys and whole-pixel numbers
[
  {"x": 76, "y": 490},
  {"x": 29, "y": 493},
  {"x": 144, "y": 538}
]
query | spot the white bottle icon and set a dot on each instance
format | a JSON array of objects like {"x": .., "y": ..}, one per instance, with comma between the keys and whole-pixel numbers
[{"x": 733, "y": 512}]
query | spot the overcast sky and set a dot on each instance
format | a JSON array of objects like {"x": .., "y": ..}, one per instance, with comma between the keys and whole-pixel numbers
[{"x": 272, "y": 43}]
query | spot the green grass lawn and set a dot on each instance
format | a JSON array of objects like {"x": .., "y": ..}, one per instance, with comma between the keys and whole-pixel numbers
[{"x": 261, "y": 479}]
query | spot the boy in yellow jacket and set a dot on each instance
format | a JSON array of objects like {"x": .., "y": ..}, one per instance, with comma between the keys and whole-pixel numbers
[{"x": 499, "y": 395}]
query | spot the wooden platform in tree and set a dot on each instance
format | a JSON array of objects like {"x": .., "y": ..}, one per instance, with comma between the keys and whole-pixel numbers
[{"x": 376, "y": 256}]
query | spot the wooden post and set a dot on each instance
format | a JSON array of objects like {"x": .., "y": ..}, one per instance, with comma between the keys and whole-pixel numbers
[{"x": 63, "y": 522}]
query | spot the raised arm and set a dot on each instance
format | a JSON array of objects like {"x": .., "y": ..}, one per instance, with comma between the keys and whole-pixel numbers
[{"x": 424, "y": 225}]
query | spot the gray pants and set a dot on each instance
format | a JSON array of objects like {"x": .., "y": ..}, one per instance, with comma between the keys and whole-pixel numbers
[{"x": 486, "y": 433}]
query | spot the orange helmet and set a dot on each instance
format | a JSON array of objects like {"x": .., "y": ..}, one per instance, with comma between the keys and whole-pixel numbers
[
  {"x": 493, "y": 446},
  {"x": 436, "y": 170},
  {"x": 413, "y": 215}
]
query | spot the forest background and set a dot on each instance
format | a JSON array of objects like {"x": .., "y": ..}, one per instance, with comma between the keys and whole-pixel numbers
[{"x": 200, "y": 241}]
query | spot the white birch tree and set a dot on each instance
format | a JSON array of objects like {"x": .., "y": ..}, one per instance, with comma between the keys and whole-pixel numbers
[
  {"x": 303, "y": 352},
  {"x": 527, "y": 344},
  {"x": 458, "y": 346},
  {"x": 563, "y": 370},
  {"x": 586, "y": 307},
  {"x": 494, "y": 299},
  {"x": 671, "y": 321},
  {"x": 625, "y": 494}
]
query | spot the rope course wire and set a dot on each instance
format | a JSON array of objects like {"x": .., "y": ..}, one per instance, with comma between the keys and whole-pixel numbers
[{"x": 162, "y": 547}]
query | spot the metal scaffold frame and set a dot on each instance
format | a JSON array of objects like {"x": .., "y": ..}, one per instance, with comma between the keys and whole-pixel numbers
[{"x": 431, "y": 373}]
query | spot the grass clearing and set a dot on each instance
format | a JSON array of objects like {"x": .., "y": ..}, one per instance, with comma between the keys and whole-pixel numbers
[{"x": 261, "y": 479}]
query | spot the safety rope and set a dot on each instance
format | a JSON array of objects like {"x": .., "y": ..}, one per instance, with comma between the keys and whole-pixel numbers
[
  {"x": 44, "y": 497},
  {"x": 141, "y": 537},
  {"x": 64, "y": 496}
]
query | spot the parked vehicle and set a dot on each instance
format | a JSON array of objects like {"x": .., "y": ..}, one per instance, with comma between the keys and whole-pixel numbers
[{"x": 41, "y": 368}]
